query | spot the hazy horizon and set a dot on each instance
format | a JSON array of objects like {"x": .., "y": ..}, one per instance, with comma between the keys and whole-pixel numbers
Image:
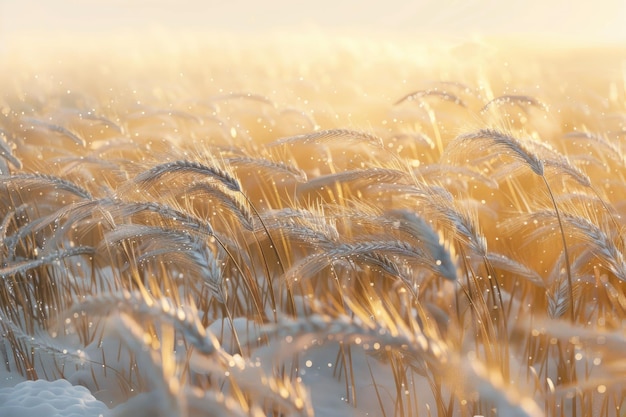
[{"x": 601, "y": 20}]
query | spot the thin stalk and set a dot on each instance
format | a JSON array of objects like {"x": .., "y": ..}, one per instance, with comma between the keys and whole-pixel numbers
[
  {"x": 568, "y": 268},
  {"x": 570, "y": 287}
]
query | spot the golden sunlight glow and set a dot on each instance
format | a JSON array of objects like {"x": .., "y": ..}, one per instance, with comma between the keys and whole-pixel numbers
[
  {"x": 402, "y": 208},
  {"x": 601, "y": 20}
]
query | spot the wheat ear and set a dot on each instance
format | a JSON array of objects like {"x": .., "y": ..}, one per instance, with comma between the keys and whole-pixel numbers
[
  {"x": 6, "y": 152},
  {"x": 20, "y": 267},
  {"x": 46, "y": 181},
  {"x": 418, "y": 95},
  {"x": 520, "y": 100},
  {"x": 140, "y": 305},
  {"x": 152, "y": 175},
  {"x": 54, "y": 128},
  {"x": 322, "y": 136}
]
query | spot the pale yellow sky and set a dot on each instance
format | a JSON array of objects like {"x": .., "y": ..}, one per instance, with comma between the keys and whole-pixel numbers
[{"x": 596, "y": 20}]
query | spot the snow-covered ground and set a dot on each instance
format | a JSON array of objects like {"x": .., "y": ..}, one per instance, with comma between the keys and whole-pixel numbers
[{"x": 49, "y": 398}]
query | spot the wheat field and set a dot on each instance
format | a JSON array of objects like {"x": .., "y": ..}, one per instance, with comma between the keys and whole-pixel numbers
[{"x": 302, "y": 226}]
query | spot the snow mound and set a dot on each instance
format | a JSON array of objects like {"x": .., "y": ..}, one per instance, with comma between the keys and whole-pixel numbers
[{"x": 52, "y": 399}]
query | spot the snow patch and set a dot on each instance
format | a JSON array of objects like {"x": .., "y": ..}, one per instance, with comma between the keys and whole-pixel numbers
[{"x": 51, "y": 399}]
